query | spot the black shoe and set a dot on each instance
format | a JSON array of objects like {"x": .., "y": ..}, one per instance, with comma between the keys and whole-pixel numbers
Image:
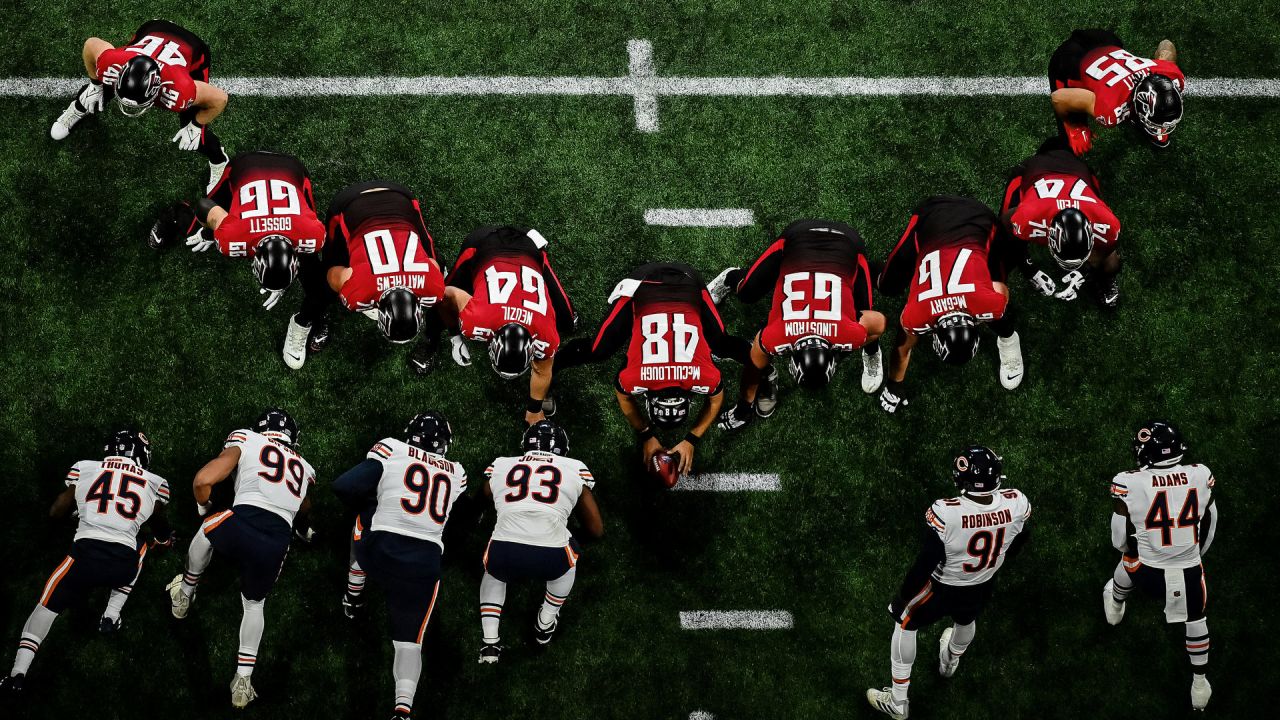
[
  {"x": 107, "y": 626},
  {"x": 319, "y": 336},
  {"x": 400, "y": 714},
  {"x": 352, "y": 605},
  {"x": 767, "y": 394},
  {"x": 423, "y": 358},
  {"x": 549, "y": 406},
  {"x": 543, "y": 635},
  {"x": 735, "y": 418},
  {"x": 1107, "y": 290},
  {"x": 490, "y": 653},
  {"x": 12, "y": 686}
]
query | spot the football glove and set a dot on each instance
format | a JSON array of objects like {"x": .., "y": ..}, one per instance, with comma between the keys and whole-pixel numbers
[
  {"x": 188, "y": 138},
  {"x": 890, "y": 401},
  {"x": 1073, "y": 282},
  {"x": 304, "y": 535},
  {"x": 1043, "y": 283},
  {"x": 200, "y": 240},
  {"x": 92, "y": 97},
  {"x": 273, "y": 297},
  {"x": 203, "y": 508},
  {"x": 461, "y": 353},
  {"x": 1080, "y": 139}
]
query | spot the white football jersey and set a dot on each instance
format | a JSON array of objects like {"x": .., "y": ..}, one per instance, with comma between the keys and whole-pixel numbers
[
  {"x": 534, "y": 495},
  {"x": 416, "y": 491},
  {"x": 270, "y": 475},
  {"x": 1165, "y": 506},
  {"x": 976, "y": 535},
  {"x": 115, "y": 497}
]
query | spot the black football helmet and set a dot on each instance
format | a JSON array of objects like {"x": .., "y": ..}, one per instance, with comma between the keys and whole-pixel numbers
[
  {"x": 128, "y": 443},
  {"x": 1156, "y": 105},
  {"x": 812, "y": 362},
  {"x": 275, "y": 264},
  {"x": 977, "y": 470},
  {"x": 511, "y": 351},
  {"x": 956, "y": 338},
  {"x": 1070, "y": 238},
  {"x": 277, "y": 425},
  {"x": 546, "y": 436},
  {"x": 429, "y": 431},
  {"x": 1158, "y": 444},
  {"x": 399, "y": 314},
  {"x": 138, "y": 85},
  {"x": 668, "y": 408}
]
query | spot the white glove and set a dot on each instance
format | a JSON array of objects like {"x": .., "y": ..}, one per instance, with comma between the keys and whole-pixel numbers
[
  {"x": 1043, "y": 283},
  {"x": 273, "y": 297},
  {"x": 188, "y": 138},
  {"x": 92, "y": 98},
  {"x": 1073, "y": 281},
  {"x": 203, "y": 508},
  {"x": 199, "y": 242},
  {"x": 461, "y": 353},
  {"x": 371, "y": 313}
]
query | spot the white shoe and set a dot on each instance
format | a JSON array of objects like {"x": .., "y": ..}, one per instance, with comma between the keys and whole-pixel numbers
[
  {"x": 459, "y": 350},
  {"x": 179, "y": 603},
  {"x": 242, "y": 692},
  {"x": 215, "y": 174},
  {"x": 718, "y": 288},
  {"x": 295, "y": 344},
  {"x": 1200, "y": 692},
  {"x": 67, "y": 120},
  {"x": 1010, "y": 361},
  {"x": 947, "y": 662},
  {"x": 1112, "y": 608},
  {"x": 882, "y": 700},
  {"x": 872, "y": 372}
]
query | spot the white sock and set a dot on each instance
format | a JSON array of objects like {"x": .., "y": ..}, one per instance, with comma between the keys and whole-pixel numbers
[
  {"x": 1198, "y": 645},
  {"x": 120, "y": 596},
  {"x": 251, "y": 625},
  {"x": 355, "y": 579},
  {"x": 1120, "y": 583},
  {"x": 198, "y": 556},
  {"x": 33, "y": 633},
  {"x": 406, "y": 668},
  {"x": 902, "y": 655},
  {"x": 557, "y": 593},
  {"x": 961, "y": 636},
  {"x": 493, "y": 593}
]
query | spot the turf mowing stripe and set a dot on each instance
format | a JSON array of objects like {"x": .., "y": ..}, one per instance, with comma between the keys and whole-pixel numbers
[
  {"x": 700, "y": 217},
  {"x": 736, "y": 620},
  {"x": 729, "y": 482}
]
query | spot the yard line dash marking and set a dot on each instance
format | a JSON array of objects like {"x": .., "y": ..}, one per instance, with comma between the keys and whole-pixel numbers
[
  {"x": 729, "y": 482},
  {"x": 700, "y": 217},
  {"x": 701, "y": 715},
  {"x": 736, "y": 620},
  {"x": 640, "y": 67}
]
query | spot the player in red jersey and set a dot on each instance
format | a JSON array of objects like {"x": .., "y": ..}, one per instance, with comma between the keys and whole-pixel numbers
[
  {"x": 1054, "y": 199},
  {"x": 665, "y": 317},
  {"x": 950, "y": 264},
  {"x": 164, "y": 64},
  {"x": 820, "y": 281},
  {"x": 1091, "y": 75},
  {"x": 380, "y": 260},
  {"x": 503, "y": 292}
]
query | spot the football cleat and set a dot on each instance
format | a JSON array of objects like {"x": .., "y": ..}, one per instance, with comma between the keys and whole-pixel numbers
[
  {"x": 767, "y": 393},
  {"x": 549, "y": 406},
  {"x": 318, "y": 338},
  {"x": 242, "y": 692},
  {"x": 11, "y": 685},
  {"x": 1010, "y": 361},
  {"x": 459, "y": 350},
  {"x": 890, "y": 401},
  {"x": 215, "y": 174},
  {"x": 947, "y": 662},
  {"x": 295, "y": 344},
  {"x": 490, "y": 653},
  {"x": 179, "y": 603},
  {"x": 423, "y": 358},
  {"x": 882, "y": 700},
  {"x": 352, "y": 605},
  {"x": 109, "y": 626},
  {"x": 1112, "y": 608},
  {"x": 872, "y": 372},
  {"x": 543, "y": 635},
  {"x": 718, "y": 288},
  {"x": 1108, "y": 292},
  {"x": 67, "y": 120},
  {"x": 400, "y": 714},
  {"x": 734, "y": 418},
  {"x": 1200, "y": 692}
]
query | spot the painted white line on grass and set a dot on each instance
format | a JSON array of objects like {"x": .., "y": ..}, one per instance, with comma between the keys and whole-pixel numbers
[
  {"x": 700, "y": 217},
  {"x": 736, "y": 620},
  {"x": 729, "y": 482},
  {"x": 701, "y": 715},
  {"x": 640, "y": 67}
]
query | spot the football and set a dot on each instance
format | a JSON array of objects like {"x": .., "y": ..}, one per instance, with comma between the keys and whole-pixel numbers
[{"x": 665, "y": 467}]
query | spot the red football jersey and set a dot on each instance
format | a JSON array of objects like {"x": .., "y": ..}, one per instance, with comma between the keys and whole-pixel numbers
[
  {"x": 1111, "y": 73},
  {"x": 387, "y": 252},
  {"x": 813, "y": 302},
  {"x": 950, "y": 279},
  {"x": 266, "y": 194},
  {"x": 510, "y": 289},
  {"x": 1042, "y": 198},
  {"x": 668, "y": 347}
]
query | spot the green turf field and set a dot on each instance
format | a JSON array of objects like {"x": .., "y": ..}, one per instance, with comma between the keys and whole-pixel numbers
[{"x": 97, "y": 330}]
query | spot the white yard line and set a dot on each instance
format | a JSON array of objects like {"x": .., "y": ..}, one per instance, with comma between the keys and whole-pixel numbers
[
  {"x": 700, "y": 217},
  {"x": 640, "y": 67},
  {"x": 701, "y": 715},
  {"x": 736, "y": 620},
  {"x": 729, "y": 482}
]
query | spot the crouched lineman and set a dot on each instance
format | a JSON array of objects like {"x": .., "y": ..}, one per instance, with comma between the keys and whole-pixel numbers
[
  {"x": 164, "y": 64},
  {"x": 402, "y": 494},
  {"x": 665, "y": 317},
  {"x": 821, "y": 285},
  {"x": 534, "y": 495},
  {"x": 379, "y": 260},
  {"x": 271, "y": 487},
  {"x": 114, "y": 497},
  {"x": 1053, "y": 199},
  {"x": 1092, "y": 75},
  {"x": 951, "y": 264},
  {"x": 966, "y": 540},
  {"x": 1164, "y": 521},
  {"x": 262, "y": 209},
  {"x": 503, "y": 293}
]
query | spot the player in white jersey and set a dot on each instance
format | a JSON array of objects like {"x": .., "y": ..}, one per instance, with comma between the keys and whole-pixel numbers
[
  {"x": 114, "y": 498},
  {"x": 967, "y": 540},
  {"x": 402, "y": 494},
  {"x": 535, "y": 494},
  {"x": 271, "y": 484},
  {"x": 1164, "y": 521}
]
